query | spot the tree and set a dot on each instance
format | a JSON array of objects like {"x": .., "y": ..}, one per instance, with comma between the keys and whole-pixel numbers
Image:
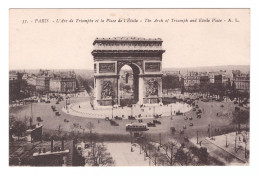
[
  {"x": 74, "y": 128},
  {"x": 59, "y": 130},
  {"x": 240, "y": 117},
  {"x": 19, "y": 128},
  {"x": 90, "y": 126},
  {"x": 170, "y": 149},
  {"x": 99, "y": 156}
]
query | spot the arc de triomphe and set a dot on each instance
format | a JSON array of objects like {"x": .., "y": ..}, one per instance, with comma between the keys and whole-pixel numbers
[{"x": 144, "y": 56}]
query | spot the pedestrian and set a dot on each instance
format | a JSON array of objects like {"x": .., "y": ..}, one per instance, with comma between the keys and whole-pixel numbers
[{"x": 79, "y": 106}]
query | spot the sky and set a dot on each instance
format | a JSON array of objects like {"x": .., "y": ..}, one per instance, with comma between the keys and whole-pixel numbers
[{"x": 52, "y": 45}]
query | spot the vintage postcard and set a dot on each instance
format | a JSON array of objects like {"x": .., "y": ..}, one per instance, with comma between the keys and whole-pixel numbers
[{"x": 129, "y": 87}]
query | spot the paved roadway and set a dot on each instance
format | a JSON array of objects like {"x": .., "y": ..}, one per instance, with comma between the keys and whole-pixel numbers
[{"x": 51, "y": 122}]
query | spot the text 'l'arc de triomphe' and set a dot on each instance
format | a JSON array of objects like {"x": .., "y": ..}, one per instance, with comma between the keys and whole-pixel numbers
[{"x": 144, "y": 56}]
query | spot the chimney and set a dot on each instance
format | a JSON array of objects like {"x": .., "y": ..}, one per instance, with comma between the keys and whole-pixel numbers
[
  {"x": 40, "y": 150},
  {"x": 62, "y": 144},
  {"x": 51, "y": 144},
  {"x": 43, "y": 150}
]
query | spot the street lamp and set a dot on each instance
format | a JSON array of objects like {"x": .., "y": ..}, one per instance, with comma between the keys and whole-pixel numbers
[{"x": 226, "y": 141}]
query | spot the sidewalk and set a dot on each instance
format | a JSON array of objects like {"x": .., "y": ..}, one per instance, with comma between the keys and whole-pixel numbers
[
  {"x": 236, "y": 144},
  {"x": 121, "y": 153},
  {"x": 217, "y": 152}
]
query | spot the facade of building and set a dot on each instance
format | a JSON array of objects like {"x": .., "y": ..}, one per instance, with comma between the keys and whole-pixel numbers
[
  {"x": 43, "y": 83},
  {"x": 15, "y": 80},
  {"x": 63, "y": 84},
  {"x": 191, "y": 79},
  {"x": 241, "y": 80}
]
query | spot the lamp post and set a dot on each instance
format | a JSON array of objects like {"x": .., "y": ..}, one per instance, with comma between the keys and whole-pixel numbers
[
  {"x": 171, "y": 109},
  {"x": 226, "y": 142}
]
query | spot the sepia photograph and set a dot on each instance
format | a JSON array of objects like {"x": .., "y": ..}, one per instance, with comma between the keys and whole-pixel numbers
[{"x": 129, "y": 87}]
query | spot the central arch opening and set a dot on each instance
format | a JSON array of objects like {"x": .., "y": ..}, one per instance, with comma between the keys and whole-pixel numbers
[{"x": 128, "y": 85}]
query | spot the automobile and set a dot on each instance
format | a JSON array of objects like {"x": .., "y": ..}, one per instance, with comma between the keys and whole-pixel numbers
[
  {"x": 173, "y": 129},
  {"x": 190, "y": 118},
  {"x": 136, "y": 127},
  {"x": 194, "y": 109},
  {"x": 157, "y": 122},
  {"x": 186, "y": 139},
  {"x": 113, "y": 123},
  {"x": 199, "y": 116},
  {"x": 199, "y": 111},
  {"x": 39, "y": 119},
  {"x": 118, "y": 118},
  {"x": 151, "y": 124},
  {"x": 140, "y": 120},
  {"x": 57, "y": 113},
  {"x": 222, "y": 106},
  {"x": 157, "y": 116},
  {"x": 65, "y": 120},
  {"x": 48, "y": 101},
  {"x": 131, "y": 117},
  {"x": 197, "y": 106},
  {"x": 191, "y": 124},
  {"x": 235, "y": 102},
  {"x": 107, "y": 119},
  {"x": 184, "y": 127},
  {"x": 185, "y": 118},
  {"x": 179, "y": 113},
  {"x": 57, "y": 102},
  {"x": 205, "y": 100}
]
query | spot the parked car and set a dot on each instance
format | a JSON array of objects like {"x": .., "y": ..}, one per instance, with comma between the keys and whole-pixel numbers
[
  {"x": 199, "y": 116},
  {"x": 190, "y": 118},
  {"x": 118, "y": 118},
  {"x": 222, "y": 106},
  {"x": 185, "y": 118},
  {"x": 197, "y": 106},
  {"x": 157, "y": 122},
  {"x": 191, "y": 124},
  {"x": 140, "y": 120},
  {"x": 65, "y": 120},
  {"x": 114, "y": 123},
  {"x": 235, "y": 102},
  {"x": 184, "y": 127},
  {"x": 157, "y": 116},
  {"x": 179, "y": 113},
  {"x": 131, "y": 117},
  {"x": 151, "y": 124},
  {"x": 57, "y": 114},
  {"x": 48, "y": 101},
  {"x": 194, "y": 109}
]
